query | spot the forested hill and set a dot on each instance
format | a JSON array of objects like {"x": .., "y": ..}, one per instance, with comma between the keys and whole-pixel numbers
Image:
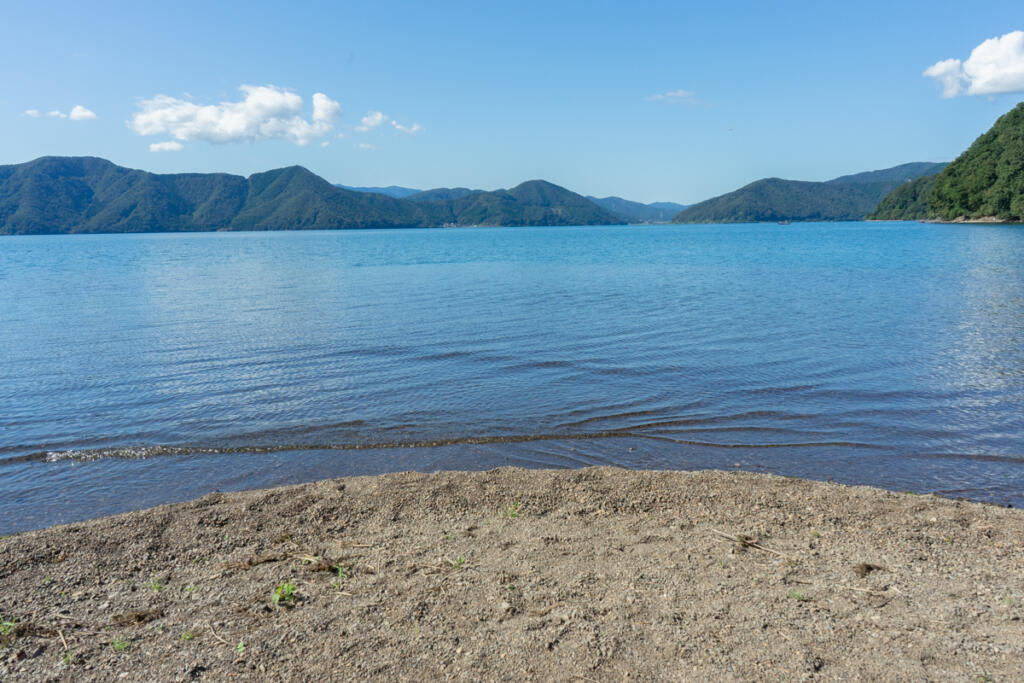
[
  {"x": 847, "y": 198},
  {"x": 54, "y": 195},
  {"x": 985, "y": 182}
]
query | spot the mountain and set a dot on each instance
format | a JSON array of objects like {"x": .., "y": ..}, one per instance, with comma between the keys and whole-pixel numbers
[
  {"x": 296, "y": 199},
  {"x": 847, "y": 198},
  {"x": 985, "y": 182},
  {"x": 54, "y": 195},
  {"x": 395, "y": 191},
  {"x": 86, "y": 194},
  {"x": 635, "y": 212}
]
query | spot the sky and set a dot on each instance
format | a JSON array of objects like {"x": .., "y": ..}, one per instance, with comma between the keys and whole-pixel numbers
[{"x": 651, "y": 101}]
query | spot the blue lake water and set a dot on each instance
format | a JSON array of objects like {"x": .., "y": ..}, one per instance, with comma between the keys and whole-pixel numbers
[{"x": 141, "y": 369}]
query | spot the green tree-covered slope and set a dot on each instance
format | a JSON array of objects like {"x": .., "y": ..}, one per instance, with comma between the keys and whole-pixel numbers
[
  {"x": 909, "y": 201},
  {"x": 848, "y": 198},
  {"x": 986, "y": 181}
]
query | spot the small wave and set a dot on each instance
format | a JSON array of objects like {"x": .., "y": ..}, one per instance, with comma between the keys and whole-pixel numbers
[{"x": 138, "y": 452}]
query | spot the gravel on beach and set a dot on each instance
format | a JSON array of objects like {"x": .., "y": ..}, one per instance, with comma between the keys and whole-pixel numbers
[{"x": 580, "y": 575}]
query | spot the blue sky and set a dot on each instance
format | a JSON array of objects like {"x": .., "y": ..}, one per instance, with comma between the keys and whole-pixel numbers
[{"x": 488, "y": 94}]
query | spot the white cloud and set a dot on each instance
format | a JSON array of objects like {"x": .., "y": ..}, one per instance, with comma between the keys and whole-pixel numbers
[
  {"x": 674, "y": 96},
  {"x": 166, "y": 147},
  {"x": 949, "y": 74},
  {"x": 414, "y": 128},
  {"x": 371, "y": 120},
  {"x": 325, "y": 110},
  {"x": 995, "y": 66},
  {"x": 266, "y": 113},
  {"x": 363, "y": 145},
  {"x": 80, "y": 113},
  {"x": 324, "y": 143}
]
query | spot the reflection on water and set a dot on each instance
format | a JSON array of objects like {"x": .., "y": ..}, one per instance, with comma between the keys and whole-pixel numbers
[{"x": 141, "y": 368}]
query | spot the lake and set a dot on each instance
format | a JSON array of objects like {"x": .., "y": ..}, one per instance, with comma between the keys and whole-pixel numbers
[{"x": 142, "y": 369}]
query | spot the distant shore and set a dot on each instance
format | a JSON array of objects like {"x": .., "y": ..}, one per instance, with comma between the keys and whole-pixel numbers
[{"x": 590, "y": 574}]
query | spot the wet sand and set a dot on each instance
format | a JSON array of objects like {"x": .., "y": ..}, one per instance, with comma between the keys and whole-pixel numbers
[{"x": 594, "y": 574}]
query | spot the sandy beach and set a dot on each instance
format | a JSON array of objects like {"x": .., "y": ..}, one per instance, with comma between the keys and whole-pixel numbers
[{"x": 594, "y": 574}]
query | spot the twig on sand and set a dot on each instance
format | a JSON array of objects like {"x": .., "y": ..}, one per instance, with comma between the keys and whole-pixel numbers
[
  {"x": 870, "y": 591},
  {"x": 64, "y": 642},
  {"x": 747, "y": 542},
  {"x": 255, "y": 560},
  {"x": 217, "y": 636}
]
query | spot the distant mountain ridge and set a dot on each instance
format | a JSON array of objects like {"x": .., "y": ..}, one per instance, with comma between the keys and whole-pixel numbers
[
  {"x": 535, "y": 202},
  {"x": 635, "y": 212},
  {"x": 443, "y": 194},
  {"x": 396, "y": 191},
  {"x": 627, "y": 211},
  {"x": 986, "y": 182},
  {"x": 847, "y": 198},
  {"x": 56, "y": 195}
]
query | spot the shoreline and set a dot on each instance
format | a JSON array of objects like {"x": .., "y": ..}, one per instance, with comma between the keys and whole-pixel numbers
[{"x": 596, "y": 573}]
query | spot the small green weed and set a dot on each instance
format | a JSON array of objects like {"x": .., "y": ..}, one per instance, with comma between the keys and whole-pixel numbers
[
  {"x": 155, "y": 586},
  {"x": 240, "y": 648},
  {"x": 798, "y": 596},
  {"x": 6, "y": 625},
  {"x": 458, "y": 562},
  {"x": 342, "y": 571},
  {"x": 67, "y": 657},
  {"x": 188, "y": 635},
  {"x": 514, "y": 510},
  {"x": 119, "y": 644},
  {"x": 285, "y": 592},
  {"x": 1008, "y": 599}
]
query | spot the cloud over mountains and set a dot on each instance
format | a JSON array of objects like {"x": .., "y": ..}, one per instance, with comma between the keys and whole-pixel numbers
[
  {"x": 995, "y": 66},
  {"x": 265, "y": 113}
]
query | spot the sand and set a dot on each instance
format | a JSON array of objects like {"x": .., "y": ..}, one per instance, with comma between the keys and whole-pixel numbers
[{"x": 587, "y": 575}]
